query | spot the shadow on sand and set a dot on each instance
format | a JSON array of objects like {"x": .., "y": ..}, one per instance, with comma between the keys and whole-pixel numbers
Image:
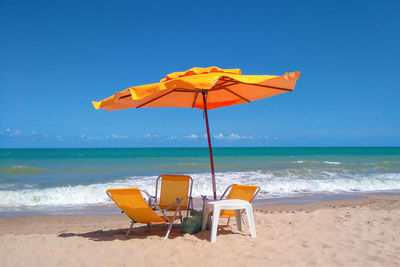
[{"x": 143, "y": 233}]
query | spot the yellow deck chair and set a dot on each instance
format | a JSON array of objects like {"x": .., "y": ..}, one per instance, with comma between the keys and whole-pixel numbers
[
  {"x": 239, "y": 191},
  {"x": 174, "y": 187},
  {"x": 132, "y": 203}
]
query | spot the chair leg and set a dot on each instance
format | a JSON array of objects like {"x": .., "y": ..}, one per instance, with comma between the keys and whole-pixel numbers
[
  {"x": 180, "y": 216},
  {"x": 243, "y": 220},
  {"x": 169, "y": 230},
  {"x": 229, "y": 218},
  {"x": 130, "y": 228},
  {"x": 178, "y": 210}
]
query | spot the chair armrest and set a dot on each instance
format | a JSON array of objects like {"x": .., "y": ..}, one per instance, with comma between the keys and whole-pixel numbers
[
  {"x": 178, "y": 200},
  {"x": 226, "y": 191},
  {"x": 150, "y": 203}
]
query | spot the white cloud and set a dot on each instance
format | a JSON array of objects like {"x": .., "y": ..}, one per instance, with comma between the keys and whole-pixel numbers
[
  {"x": 172, "y": 137},
  {"x": 219, "y": 136},
  {"x": 232, "y": 137},
  {"x": 90, "y": 138},
  {"x": 145, "y": 136},
  {"x": 191, "y": 137},
  {"x": 247, "y": 137},
  {"x": 115, "y": 136},
  {"x": 17, "y": 133},
  {"x": 148, "y": 136},
  {"x": 270, "y": 138},
  {"x": 95, "y": 138},
  {"x": 11, "y": 133}
]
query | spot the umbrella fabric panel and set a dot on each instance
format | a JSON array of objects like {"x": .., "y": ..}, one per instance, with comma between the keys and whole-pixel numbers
[{"x": 197, "y": 71}]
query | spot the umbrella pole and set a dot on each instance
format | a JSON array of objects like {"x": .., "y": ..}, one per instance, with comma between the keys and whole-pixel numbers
[{"x": 209, "y": 144}]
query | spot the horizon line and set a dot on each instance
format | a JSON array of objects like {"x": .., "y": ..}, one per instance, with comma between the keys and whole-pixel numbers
[{"x": 340, "y": 146}]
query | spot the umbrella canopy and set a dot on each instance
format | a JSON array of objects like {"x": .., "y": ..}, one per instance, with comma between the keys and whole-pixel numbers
[
  {"x": 224, "y": 87},
  {"x": 202, "y": 88}
]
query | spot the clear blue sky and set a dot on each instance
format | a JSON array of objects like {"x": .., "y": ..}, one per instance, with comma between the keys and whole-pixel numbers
[{"x": 58, "y": 56}]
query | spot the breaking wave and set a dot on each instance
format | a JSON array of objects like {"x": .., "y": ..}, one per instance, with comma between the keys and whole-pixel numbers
[{"x": 281, "y": 183}]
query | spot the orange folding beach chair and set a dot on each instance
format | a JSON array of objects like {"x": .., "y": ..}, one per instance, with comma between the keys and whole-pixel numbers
[
  {"x": 174, "y": 187},
  {"x": 239, "y": 191},
  {"x": 132, "y": 203}
]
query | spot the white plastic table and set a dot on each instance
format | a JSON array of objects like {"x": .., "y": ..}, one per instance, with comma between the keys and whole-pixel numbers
[{"x": 227, "y": 204}]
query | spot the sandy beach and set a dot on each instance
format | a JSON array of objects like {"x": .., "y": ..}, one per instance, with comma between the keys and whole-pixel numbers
[{"x": 356, "y": 232}]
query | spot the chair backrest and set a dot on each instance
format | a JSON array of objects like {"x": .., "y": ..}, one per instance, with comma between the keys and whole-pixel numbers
[
  {"x": 244, "y": 192},
  {"x": 173, "y": 187},
  {"x": 239, "y": 191},
  {"x": 131, "y": 201}
]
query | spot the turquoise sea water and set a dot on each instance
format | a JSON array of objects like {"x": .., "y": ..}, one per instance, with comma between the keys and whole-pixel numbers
[{"x": 46, "y": 178}]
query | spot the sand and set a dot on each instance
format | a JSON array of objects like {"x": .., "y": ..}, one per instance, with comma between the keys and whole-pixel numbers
[{"x": 357, "y": 232}]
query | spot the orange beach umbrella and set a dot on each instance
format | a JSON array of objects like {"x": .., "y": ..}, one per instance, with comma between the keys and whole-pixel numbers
[{"x": 202, "y": 88}]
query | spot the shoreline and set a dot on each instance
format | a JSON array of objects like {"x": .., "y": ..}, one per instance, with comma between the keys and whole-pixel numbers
[
  {"x": 357, "y": 232},
  {"x": 111, "y": 208}
]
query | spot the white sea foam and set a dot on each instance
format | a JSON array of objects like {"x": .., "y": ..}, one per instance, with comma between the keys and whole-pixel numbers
[
  {"x": 68, "y": 195},
  {"x": 317, "y": 162},
  {"x": 272, "y": 183},
  {"x": 332, "y": 162}
]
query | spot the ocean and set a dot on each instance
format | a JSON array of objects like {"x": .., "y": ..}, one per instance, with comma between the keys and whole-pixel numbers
[{"x": 73, "y": 179}]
